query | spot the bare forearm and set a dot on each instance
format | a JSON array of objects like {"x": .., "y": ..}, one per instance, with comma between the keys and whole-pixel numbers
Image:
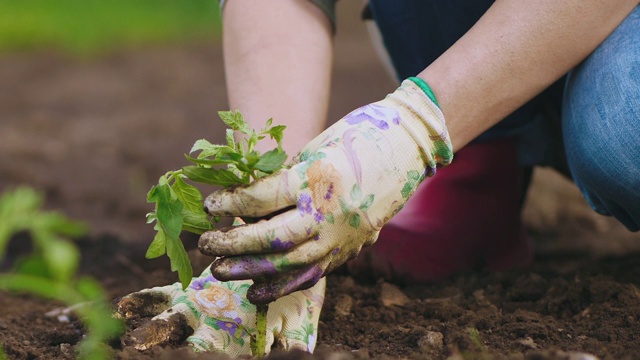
[
  {"x": 278, "y": 59},
  {"x": 515, "y": 51}
]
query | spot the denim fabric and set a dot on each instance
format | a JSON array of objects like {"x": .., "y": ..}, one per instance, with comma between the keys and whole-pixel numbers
[
  {"x": 600, "y": 107},
  {"x": 601, "y": 124}
]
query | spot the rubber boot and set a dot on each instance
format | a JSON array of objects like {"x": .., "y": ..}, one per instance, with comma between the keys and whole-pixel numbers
[{"x": 466, "y": 216}]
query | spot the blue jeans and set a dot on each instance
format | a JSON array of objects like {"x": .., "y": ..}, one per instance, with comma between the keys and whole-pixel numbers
[{"x": 588, "y": 120}]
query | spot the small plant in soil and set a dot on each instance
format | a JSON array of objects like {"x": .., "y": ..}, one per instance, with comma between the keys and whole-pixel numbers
[
  {"x": 179, "y": 205},
  {"x": 50, "y": 270}
]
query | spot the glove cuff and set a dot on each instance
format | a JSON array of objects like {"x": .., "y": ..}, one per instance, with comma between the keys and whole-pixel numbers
[
  {"x": 424, "y": 122},
  {"x": 426, "y": 88}
]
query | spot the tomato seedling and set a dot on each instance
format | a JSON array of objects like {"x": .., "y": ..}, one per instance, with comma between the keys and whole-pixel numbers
[{"x": 179, "y": 205}]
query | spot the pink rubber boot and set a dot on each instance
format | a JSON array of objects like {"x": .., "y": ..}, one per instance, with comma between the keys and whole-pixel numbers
[{"x": 464, "y": 217}]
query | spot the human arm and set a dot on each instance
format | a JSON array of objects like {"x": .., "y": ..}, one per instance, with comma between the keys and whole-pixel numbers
[
  {"x": 512, "y": 54},
  {"x": 516, "y": 50},
  {"x": 277, "y": 63}
]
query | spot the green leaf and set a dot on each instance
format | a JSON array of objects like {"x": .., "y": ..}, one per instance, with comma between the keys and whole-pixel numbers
[
  {"x": 234, "y": 120},
  {"x": 32, "y": 264},
  {"x": 20, "y": 200},
  {"x": 252, "y": 140},
  {"x": 219, "y": 177},
  {"x": 90, "y": 289},
  {"x": 179, "y": 261},
  {"x": 223, "y": 160},
  {"x": 17, "y": 208},
  {"x": 189, "y": 195},
  {"x": 158, "y": 245},
  {"x": 62, "y": 257},
  {"x": 271, "y": 161},
  {"x": 57, "y": 223},
  {"x": 47, "y": 288},
  {"x": 251, "y": 158},
  {"x": 231, "y": 141},
  {"x": 196, "y": 223},
  {"x": 151, "y": 217},
  {"x": 168, "y": 209},
  {"x": 367, "y": 202},
  {"x": 208, "y": 149},
  {"x": 276, "y": 133}
]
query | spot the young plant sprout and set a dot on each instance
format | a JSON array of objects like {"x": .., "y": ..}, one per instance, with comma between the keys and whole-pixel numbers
[
  {"x": 178, "y": 204},
  {"x": 50, "y": 270}
]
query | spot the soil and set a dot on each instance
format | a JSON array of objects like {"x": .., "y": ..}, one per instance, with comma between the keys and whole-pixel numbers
[{"x": 137, "y": 112}]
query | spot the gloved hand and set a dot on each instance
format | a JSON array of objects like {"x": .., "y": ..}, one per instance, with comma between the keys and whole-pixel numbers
[
  {"x": 216, "y": 316},
  {"x": 339, "y": 192}
]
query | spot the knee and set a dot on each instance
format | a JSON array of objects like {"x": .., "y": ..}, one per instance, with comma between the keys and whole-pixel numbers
[
  {"x": 605, "y": 165},
  {"x": 601, "y": 114}
]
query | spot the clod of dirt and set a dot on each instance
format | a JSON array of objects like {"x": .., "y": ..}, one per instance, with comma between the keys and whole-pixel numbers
[
  {"x": 173, "y": 330},
  {"x": 66, "y": 349},
  {"x": 343, "y": 306},
  {"x": 432, "y": 340},
  {"x": 141, "y": 304},
  {"x": 391, "y": 295},
  {"x": 528, "y": 287},
  {"x": 527, "y": 343}
]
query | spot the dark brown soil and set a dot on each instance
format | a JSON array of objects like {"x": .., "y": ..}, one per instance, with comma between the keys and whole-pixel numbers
[
  {"x": 565, "y": 302},
  {"x": 94, "y": 135}
]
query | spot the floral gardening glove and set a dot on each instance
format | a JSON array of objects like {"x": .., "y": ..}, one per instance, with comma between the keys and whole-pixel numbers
[
  {"x": 212, "y": 315},
  {"x": 336, "y": 196}
]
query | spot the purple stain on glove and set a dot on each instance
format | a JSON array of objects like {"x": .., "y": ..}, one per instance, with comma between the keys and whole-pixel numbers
[
  {"x": 199, "y": 284},
  {"x": 375, "y": 114},
  {"x": 241, "y": 268},
  {"x": 304, "y": 279},
  {"x": 266, "y": 292},
  {"x": 279, "y": 245}
]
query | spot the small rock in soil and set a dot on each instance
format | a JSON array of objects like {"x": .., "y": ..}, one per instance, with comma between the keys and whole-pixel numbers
[
  {"x": 391, "y": 295},
  {"x": 528, "y": 343},
  {"x": 432, "y": 340},
  {"x": 361, "y": 353},
  {"x": 66, "y": 349}
]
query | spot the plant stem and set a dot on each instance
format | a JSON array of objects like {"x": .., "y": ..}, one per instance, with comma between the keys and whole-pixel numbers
[{"x": 260, "y": 344}]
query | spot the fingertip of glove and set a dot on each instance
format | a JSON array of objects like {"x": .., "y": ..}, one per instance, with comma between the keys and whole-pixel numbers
[{"x": 140, "y": 304}]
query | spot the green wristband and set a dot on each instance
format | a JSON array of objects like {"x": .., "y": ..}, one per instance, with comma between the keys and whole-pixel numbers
[{"x": 426, "y": 88}]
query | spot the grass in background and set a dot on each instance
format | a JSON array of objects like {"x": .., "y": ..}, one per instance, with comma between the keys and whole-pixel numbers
[{"x": 89, "y": 27}]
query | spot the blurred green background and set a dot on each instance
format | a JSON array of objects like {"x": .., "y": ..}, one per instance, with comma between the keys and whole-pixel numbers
[{"x": 92, "y": 27}]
